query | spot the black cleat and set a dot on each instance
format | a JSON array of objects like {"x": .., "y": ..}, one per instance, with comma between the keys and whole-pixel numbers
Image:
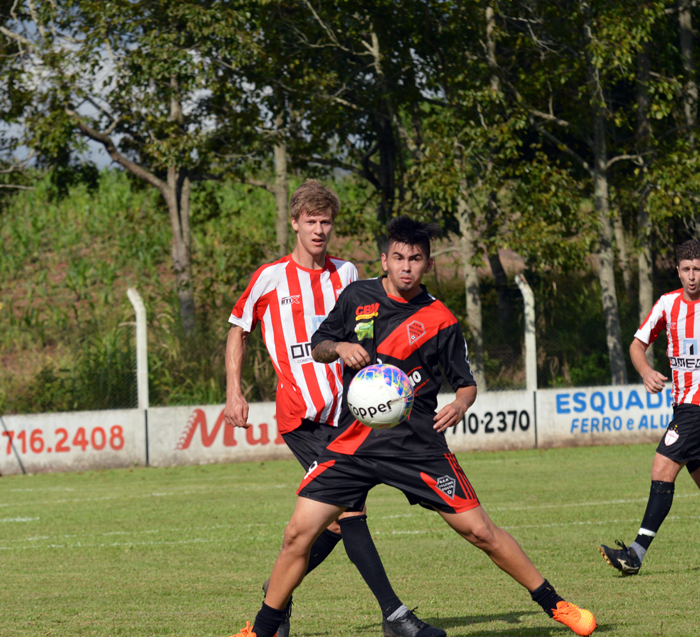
[
  {"x": 623, "y": 559},
  {"x": 283, "y": 630},
  {"x": 409, "y": 625}
]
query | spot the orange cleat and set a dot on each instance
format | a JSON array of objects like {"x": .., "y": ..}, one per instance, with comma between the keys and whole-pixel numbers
[
  {"x": 580, "y": 620},
  {"x": 246, "y": 632}
]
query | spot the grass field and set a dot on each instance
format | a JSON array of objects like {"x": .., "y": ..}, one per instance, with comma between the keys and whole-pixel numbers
[{"x": 184, "y": 551}]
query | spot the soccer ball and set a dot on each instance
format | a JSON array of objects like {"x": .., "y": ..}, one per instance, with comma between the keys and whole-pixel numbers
[{"x": 380, "y": 396}]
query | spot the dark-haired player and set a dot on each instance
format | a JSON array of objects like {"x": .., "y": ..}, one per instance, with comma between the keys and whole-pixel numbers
[
  {"x": 394, "y": 320},
  {"x": 678, "y": 313},
  {"x": 291, "y": 297}
]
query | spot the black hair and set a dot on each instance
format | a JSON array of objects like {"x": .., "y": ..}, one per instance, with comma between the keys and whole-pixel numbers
[
  {"x": 688, "y": 250},
  {"x": 410, "y": 232}
]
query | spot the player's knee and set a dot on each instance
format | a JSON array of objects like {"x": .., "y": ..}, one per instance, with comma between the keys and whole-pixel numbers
[{"x": 296, "y": 538}]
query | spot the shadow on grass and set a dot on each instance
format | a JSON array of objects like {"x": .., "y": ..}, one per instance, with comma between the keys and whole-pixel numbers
[{"x": 452, "y": 625}]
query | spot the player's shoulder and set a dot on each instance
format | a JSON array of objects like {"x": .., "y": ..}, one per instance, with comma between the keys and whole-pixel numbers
[
  {"x": 442, "y": 312},
  {"x": 670, "y": 297}
]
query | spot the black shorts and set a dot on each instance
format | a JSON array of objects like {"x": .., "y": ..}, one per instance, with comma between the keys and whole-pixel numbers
[
  {"x": 436, "y": 483},
  {"x": 308, "y": 440},
  {"x": 681, "y": 442}
]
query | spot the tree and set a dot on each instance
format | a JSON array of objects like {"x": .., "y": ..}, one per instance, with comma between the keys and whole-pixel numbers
[{"x": 136, "y": 77}]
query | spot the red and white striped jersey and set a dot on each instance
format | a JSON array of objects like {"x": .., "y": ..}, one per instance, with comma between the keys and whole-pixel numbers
[
  {"x": 681, "y": 320},
  {"x": 291, "y": 302}
]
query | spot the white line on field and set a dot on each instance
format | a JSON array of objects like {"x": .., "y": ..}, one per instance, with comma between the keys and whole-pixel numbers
[{"x": 18, "y": 519}]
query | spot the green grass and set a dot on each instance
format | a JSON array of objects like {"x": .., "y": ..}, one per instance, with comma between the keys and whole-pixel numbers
[{"x": 184, "y": 551}]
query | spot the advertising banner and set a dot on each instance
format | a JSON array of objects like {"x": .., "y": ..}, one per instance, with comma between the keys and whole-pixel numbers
[
  {"x": 72, "y": 441},
  {"x": 497, "y": 420},
  {"x": 601, "y": 415},
  {"x": 199, "y": 435}
]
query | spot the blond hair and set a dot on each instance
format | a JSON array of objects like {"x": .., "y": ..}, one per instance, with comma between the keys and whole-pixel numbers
[{"x": 314, "y": 199}]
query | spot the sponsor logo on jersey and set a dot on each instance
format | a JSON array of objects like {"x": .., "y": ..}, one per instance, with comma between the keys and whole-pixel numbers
[
  {"x": 416, "y": 331},
  {"x": 690, "y": 347},
  {"x": 291, "y": 300},
  {"x": 301, "y": 353},
  {"x": 364, "y": 330},
  {"x": 446, "y": 484},
  {"x": 684, "y": 363},
  {"x": 366, "y": 312},
  {"x": 671, "y": 437}
]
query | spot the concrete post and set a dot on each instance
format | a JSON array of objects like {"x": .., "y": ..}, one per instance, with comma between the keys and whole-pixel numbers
[
  {"x": 141, "y": 348},
  {"x": 530, "y": 341}
]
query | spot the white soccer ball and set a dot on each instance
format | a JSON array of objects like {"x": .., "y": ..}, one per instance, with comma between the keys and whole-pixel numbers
[{"x": 380, "y": 396}]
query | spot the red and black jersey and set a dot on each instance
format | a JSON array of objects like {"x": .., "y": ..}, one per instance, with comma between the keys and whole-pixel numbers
[{"x": 421, "y": 337}]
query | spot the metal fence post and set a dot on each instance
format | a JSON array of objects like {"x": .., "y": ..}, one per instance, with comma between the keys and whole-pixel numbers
[
  {"x": 530, "y": 341},
  {"x": 141, "y": 348}
]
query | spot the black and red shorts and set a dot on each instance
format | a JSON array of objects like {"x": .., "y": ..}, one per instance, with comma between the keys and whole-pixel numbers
[
  {"x": 681, "y": 442},
  {"x": 436, "y": 483},
  {"x": 308, "y": 440}
]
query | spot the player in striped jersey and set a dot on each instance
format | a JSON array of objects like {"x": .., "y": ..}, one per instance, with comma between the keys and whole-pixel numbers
[
  {"x": 290, "y": 298},
  {"x": 678, "y": 313}
]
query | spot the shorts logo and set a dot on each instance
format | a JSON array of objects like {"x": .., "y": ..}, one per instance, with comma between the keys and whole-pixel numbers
[
  {"x": 447, "y": 486},
  {"x": 312, "y": 468},
  {"x": 416, "y": 331},
  {"x": 291, "y": 300},
  {"x": 671, "y": 437}
]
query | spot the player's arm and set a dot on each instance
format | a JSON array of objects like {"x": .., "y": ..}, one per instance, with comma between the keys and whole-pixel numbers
[
  {"x": 451, "y": 414},
  {"x": 236, "y": 410},
  {"x": 653, "y": 380},
  {"x": 352, "y": 354}
]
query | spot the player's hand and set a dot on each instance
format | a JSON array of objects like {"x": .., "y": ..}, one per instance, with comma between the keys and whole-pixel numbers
[
  {"x": 654, "y": 381},
  {"x": 353, "y": 355},
  {"x": 449, "y": 416},
  {"x": 236, "y": 411}
]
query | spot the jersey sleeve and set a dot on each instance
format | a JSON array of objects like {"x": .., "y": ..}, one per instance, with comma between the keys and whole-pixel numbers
[
  {"x": 244, "y": 312},
  {"x": 653, "y": 324},
  {"x": 336, "y": 327},
  {"x": 454, "y": 358}
]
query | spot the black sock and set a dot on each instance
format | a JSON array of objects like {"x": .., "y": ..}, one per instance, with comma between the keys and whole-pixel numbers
[
  {"x": 658, "y": 506},
  {"x": 322, "y": 548},
  {"x": 363, "y": 554},
  {"x": 268, "y": 620},
  {"x": 547, "y": 597}
]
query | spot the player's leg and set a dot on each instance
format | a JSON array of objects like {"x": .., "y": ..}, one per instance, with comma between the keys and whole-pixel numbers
[
  {"x": 309, "y": 519},
  {"x": 306, "y": 443},
  {"x": 693, "y": 468},
  {"x": 628, "y": 559},
  {"x": 476, "y": 527}
]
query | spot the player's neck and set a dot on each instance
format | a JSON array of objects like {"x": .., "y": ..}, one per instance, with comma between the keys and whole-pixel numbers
[
  {"x": 307, "y": 260},
  {"x": 691, "y": 298}
]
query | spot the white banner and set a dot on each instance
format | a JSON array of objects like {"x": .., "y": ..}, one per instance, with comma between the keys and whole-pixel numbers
[
  {"x": 601, "y": 415},
  {"x": 199, "y": 435},
  {"x": 497, "y": 420},
  {"x": 72, "y": 441},
  {"x": 80, "y": 441}
]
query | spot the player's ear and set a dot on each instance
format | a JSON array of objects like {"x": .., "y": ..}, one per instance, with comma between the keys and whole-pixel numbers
[
  {"x": 431, "y": 262},
  {"x": 383, "y": 260}
]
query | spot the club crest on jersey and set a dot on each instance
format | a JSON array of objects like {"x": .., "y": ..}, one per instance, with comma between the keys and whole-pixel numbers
[
  {"x": 291, "y": 300},
  {"x": 364, "y": 330},
  {"x": 416, "y": 331},
  {"x": 447, "y": 486}
]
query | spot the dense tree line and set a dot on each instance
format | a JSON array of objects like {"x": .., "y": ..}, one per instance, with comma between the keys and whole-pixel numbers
[{"x": 564, "y": 130}]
